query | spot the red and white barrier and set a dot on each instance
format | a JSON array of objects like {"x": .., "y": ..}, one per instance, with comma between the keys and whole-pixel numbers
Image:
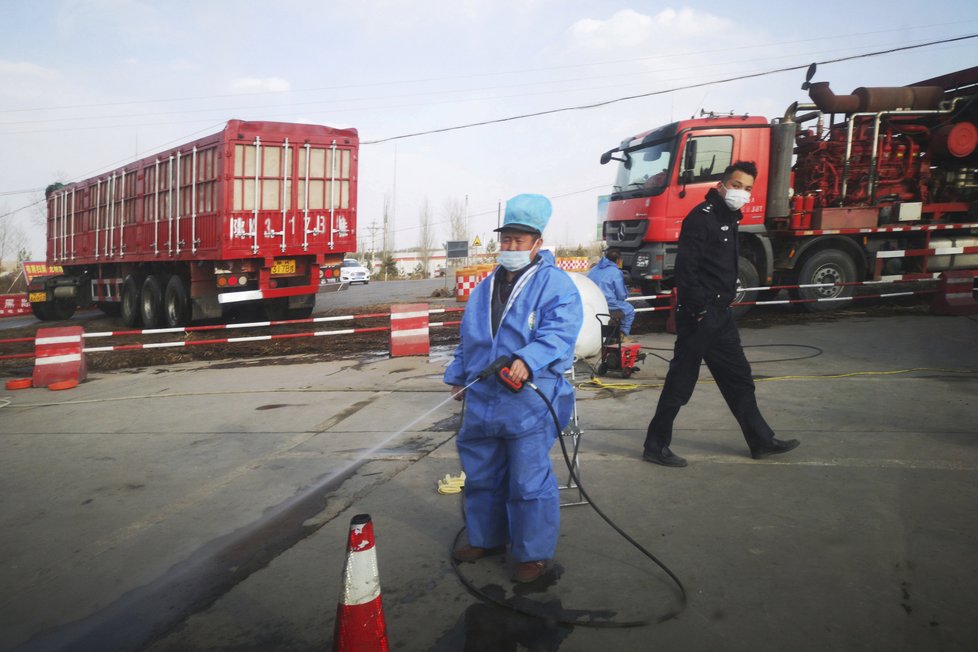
[
  {"x": 465, "y": 282},
  {"x": 409, "y": 329},
  {"x": 231, "y": 340},
  {"x": 12, "y": 305},
  {"x": 59, "y": 357},
  {"x": 360, "y": 624},
  {"x": 573, "y": 263},
  {"x": 955, "y": 294}
]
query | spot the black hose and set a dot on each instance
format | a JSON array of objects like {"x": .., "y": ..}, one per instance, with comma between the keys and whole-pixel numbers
[{"x": 580, "y": 487}]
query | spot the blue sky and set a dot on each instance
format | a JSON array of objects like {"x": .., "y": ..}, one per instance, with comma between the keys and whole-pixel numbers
[{"x": 85, "y": 85}]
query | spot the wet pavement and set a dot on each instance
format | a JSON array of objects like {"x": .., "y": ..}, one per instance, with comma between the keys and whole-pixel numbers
[{"x": 206, "y": 507}]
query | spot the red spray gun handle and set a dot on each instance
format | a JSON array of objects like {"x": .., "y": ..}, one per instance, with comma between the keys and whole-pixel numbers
[
  {"x": 508, "y": 382},
  {"x": 500, "y": 369}
]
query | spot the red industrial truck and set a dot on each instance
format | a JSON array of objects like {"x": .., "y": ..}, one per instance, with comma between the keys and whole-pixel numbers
[
  {"x": 256, "y": 214},
  {"x": 883, "y": 184}
]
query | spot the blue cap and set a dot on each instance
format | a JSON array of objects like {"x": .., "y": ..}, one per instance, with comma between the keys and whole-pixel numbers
[{"x": 527, "y": 213}]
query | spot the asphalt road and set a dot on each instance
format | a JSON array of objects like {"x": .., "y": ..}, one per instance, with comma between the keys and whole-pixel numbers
[{"x": 206, "y": 505}]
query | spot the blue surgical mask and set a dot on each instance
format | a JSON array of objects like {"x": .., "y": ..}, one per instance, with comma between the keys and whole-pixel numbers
[{"x": 514, "y": 261}]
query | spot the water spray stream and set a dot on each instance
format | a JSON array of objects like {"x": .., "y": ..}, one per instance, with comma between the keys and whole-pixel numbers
[{"x": 383, "y": 443}]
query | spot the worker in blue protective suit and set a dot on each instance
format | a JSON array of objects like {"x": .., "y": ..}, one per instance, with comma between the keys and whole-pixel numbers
[
  {"x": 530, "y": 311},
  {"x": 609, "y": 279}
]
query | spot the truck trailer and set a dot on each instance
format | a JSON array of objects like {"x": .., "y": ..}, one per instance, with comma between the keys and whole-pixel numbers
[
  {"x": 879, "y": 184},
  {"x": 258, "y": 214}
]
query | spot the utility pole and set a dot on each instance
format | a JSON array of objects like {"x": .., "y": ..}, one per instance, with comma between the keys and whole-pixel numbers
[{"x": 373, "y": 232}]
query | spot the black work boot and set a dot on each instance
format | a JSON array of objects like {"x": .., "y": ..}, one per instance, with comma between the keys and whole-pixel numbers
[
  {"x": 664, "y": 457},
  {"x": 659, "y": 436}
]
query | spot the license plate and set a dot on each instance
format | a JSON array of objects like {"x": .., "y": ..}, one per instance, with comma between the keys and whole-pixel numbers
[
  {"x": 37, "y": 297},
  {"x": 284, "y": 266}
]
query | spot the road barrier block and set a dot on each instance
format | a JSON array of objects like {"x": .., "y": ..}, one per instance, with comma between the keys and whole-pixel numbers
[
  {"x": 58, "y": 356},
  {"x": 409, "y": 329},
  {"x": 955, "y": 294}
]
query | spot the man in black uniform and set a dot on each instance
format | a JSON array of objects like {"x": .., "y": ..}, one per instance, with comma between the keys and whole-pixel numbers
[{"x": 706, "y": 283}]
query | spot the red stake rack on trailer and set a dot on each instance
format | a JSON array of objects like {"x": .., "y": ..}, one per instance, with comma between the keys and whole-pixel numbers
[{"x": 258, "y": 214}]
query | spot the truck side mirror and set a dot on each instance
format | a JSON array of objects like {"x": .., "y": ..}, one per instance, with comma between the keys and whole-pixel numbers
[
  {"x": 688, "y": 172},
  {"x": 625, "y": 158},
  {"x": 689, "y": 160},
  {"x": 607, "y": 156}
]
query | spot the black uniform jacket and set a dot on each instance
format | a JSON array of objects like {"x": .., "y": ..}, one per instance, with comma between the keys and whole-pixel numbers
[{"x": 706, "y": 265}]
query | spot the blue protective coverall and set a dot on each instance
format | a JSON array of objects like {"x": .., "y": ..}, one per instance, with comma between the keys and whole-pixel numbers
[
  {"x": 504, "y": 443},
  {"x": 611, "y": 282}
]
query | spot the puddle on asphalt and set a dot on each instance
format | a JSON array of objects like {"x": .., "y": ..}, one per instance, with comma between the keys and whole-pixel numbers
[{"x": 486, "y": 627}]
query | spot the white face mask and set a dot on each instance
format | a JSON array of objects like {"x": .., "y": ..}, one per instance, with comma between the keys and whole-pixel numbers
[
  {"x": 514, "y": 261},
  {"x": 735, "y": 198}
]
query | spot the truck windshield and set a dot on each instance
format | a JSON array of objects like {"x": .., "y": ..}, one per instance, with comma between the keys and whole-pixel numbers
[{"x": 645, "y": 169}]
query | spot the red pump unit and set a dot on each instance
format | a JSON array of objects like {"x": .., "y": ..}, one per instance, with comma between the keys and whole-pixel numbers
[{"x": 881, "y": 171}]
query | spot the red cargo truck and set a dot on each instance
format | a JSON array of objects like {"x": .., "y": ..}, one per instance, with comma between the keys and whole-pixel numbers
[
  {"x": 883, "y": 184},
  {"x": 256, "y": 214}
]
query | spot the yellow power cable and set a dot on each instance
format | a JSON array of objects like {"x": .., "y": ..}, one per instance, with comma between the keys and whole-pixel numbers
[{"x": 597, "y": 383}]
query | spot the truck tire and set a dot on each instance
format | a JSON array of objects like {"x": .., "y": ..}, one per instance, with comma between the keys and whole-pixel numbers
[
  {"x": 305, "y": 312},
  {"x": 151, "y": 304},
  {"x": 110, "y": 308},
  {"x": 129, "y": 306},
  {"x": 275, "y": 309},
  {"x": 40, "y": 311},
  {"x": 746, "y": 278},
  {"x": 176, "y": 304},
  {"x": 653, "y": 289},
  {"x": 61, "y": 309},
  {"x": 825, "y": 266}
]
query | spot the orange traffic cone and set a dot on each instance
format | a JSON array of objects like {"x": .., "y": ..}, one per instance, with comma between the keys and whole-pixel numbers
[{"x": 360, "y": 625}]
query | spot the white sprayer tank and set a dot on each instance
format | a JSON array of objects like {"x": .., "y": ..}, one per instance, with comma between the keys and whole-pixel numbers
[{"x": 589, "y": 340}]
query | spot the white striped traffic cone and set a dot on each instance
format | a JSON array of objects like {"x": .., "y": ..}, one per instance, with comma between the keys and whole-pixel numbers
[{"x": 360, "y": 625}]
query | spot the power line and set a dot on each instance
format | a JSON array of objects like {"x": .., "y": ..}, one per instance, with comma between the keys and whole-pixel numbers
[
  {"x": 684, "y": 70},
  {"x": 622, "y": 99},
  {"x": 820, "y": 39},
  {"x": 594, "y": 105}
]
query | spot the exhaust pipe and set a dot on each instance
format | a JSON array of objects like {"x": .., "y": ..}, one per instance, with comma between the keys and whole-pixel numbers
[{"x": 874, "y": 100}]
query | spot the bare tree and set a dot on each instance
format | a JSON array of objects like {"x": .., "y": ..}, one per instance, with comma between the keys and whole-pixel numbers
[
  {"x": 426, "y": 237},
  {"x": 12, "y": 239},
  {"x": 455, "y": 212}
]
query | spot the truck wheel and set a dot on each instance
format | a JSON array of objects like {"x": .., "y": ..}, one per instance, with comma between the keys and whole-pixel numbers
[
  {"x": 40, "y": 311},
  {"x": 151, "y": 305},
  {"x": 826, "y": 266},
  {"x": 652, "y": 288},
  {"x": 129, "y": 306},
  {"x": 111, "y": 308},
  {"x": 305, "y": 312},
  {"x": 176, "y": 305},
  {"x": 61, "y": 309},
  {"x": 746, "y": 278},
  {"x": 275, "y": 309}
]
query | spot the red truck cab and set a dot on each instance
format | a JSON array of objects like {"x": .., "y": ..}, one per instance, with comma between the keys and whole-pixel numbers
[{"x": 663, "y": 174}]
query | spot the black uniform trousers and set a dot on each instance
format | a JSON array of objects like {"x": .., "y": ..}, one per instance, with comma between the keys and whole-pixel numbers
[{"x": 713, "y": 339}]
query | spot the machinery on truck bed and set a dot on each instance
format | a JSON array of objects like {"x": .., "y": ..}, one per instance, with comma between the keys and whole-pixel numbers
[
  {"x": 257, "y": 214},
  {"x": 884, "y": 185}
]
